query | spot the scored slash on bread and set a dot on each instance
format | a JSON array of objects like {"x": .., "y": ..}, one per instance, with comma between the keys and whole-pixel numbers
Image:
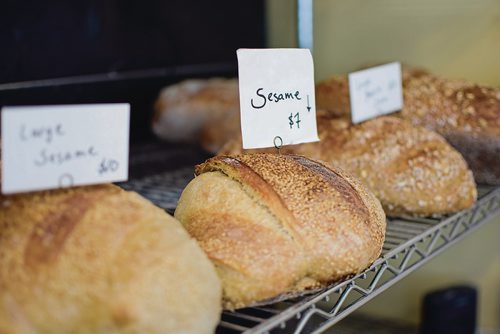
[{"x": 273, "y": 224}]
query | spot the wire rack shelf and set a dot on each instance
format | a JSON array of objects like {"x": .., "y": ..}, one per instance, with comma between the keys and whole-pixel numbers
[{"x": 410, "y": 243}]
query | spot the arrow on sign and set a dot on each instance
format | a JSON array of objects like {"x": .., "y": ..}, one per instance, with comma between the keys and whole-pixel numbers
[{"x": 308, "y": 106}]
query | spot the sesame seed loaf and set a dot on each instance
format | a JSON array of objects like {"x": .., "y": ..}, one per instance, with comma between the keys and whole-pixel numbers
[
  {"x": 273, "y": 224},
  {"x": 466, "y": 114},
  {"x": 411, "y": 170},
  {"x": 99, "y": 259}
]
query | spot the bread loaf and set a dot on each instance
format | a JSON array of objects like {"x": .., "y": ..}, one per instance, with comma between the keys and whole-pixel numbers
[
  {"x": 185, "y": 110},
  {"x": 100, "y": 260},
  {"x": 278, "y": 223},
  {"x": 411, "y": 170},
  {"x": 466, "y": 114}
]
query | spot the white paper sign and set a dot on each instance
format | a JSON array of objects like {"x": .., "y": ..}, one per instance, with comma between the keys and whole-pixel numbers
[
  {"x": 276, "y": 97},
  {"x": 46, "y": 147},
  {"x": 375, "y": 91}
]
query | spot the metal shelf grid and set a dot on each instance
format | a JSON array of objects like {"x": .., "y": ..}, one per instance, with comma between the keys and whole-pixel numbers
[{"x": 409, "y": 243}]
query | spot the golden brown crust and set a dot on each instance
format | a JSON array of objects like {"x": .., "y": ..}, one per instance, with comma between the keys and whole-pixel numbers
[
  {"x": 218, "y": 131},
  {"x": 448, "y": 106},
  {"x": 329, "y": 221},
  {"x": 253, "y": 184},
  {"x": 99, "y": 259},
  {"x": 466, "y": 114},
  {"x": 332, "y": 95},
  {"x": 411, "y": 170},
  {"x": 46, "y": 242},
  {"x": 253, "y": 255}
]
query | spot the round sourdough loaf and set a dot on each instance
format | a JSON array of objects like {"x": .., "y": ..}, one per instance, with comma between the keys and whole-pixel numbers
[
  {"x": 274, "y": 224},
  {"x": 101, "y": 260}
]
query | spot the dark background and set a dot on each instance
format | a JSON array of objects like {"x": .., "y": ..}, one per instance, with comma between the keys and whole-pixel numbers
[{"x": 58, "y": 52}]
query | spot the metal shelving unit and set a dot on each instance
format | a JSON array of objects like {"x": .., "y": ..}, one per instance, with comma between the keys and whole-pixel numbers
[{"x": 409, "y": 243}]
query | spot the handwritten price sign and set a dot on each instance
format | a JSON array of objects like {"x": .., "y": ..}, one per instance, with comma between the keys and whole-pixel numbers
[
  {"x": 108, "y": 166},
  {"x": 375, "y": 91},
  {"x": 294, "y": 120},
  {"x": 46, "y": 147},
  {"x": 276, "y": 97}
]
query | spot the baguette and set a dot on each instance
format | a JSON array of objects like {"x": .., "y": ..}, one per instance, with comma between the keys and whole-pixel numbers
[
  {"x": 412, "y": 171},
  {"x": 272, "y": 224},
  {"x": 100, "y": 260}
]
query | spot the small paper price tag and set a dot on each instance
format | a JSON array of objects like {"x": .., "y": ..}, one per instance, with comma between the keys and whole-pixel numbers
[
  {"x": 47, "y": 147},
  {"x": 276, "y": 97},
  {"x": 375, "y": 91}
]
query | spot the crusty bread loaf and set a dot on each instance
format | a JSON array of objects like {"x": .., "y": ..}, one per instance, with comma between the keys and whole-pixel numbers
[
  {"x": 466, "y": 114},
  {"x": 184, "y": 110},
  {"x": 412, "y": 170},
  {"x": 100, "y": 260},
  {"x": 278, "y": 223}
]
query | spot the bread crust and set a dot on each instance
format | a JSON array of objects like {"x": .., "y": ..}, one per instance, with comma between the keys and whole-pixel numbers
[
  {"x": 332, "y": 95},
  {"x": 330, "y": 223},
  {"x": 467, "y": 115},
  {"x": 100, "y": 259},
  {"x": 411, "y": 170}
]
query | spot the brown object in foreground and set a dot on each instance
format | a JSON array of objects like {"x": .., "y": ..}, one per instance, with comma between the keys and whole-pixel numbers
[
  {"x": 273, "y": 224},
  {"x": 193, "y": 108},
  {"x": 100, "y": 260},
  {"x": 466, "y": 114},
  {"x": 412, "y": 170}
]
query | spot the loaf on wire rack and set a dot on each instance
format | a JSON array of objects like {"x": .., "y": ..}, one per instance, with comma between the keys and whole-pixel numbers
[{"x": 275, "y": 224}]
